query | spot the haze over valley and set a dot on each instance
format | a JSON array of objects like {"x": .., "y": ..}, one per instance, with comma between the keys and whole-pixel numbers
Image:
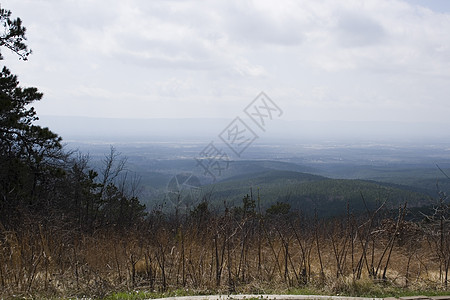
[{"x": 412, "y": 160}]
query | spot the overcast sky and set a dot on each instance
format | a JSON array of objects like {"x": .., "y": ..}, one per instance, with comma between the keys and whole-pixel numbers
[{"x": 374, "y": 60}]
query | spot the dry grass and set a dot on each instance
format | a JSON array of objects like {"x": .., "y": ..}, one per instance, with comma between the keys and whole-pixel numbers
[{"x": 225, "y": 253}]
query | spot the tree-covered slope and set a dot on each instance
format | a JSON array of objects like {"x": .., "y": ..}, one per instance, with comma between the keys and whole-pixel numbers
[{"x": 311, "y": 193}]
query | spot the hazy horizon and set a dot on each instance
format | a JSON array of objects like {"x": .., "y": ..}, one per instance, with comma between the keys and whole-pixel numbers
[{"x": 73, "y": 128}]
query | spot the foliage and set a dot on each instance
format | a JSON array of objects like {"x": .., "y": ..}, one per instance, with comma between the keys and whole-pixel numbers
[
  {"x": 309, "y": 192},
  {"x": 13, "y": 35},
  {"x": 279, "y": 208},
  {"x": 29, "y": 154},
  {"x": 39, "y": 177}
]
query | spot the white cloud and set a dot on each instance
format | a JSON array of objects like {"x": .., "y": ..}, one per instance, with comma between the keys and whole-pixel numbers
[{"x": 360, "y": 57}]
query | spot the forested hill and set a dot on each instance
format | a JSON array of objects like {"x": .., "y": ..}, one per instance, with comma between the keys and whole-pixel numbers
[{"x": 311, "y": 193}]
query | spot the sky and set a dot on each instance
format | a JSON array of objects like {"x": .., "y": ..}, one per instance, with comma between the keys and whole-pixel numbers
[{"x": 352, "y": 60}]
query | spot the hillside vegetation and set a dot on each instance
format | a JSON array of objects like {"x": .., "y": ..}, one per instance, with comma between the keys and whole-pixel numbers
[{"x": 312, "y": 193}]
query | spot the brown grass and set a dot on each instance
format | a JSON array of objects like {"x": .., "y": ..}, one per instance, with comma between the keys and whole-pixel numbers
[{"x": 223, "y": 253}]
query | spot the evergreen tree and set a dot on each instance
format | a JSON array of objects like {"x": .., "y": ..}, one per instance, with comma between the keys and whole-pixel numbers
[
  {"x": 13, "y": 35},
  {"x": 28, "y": 152}
]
